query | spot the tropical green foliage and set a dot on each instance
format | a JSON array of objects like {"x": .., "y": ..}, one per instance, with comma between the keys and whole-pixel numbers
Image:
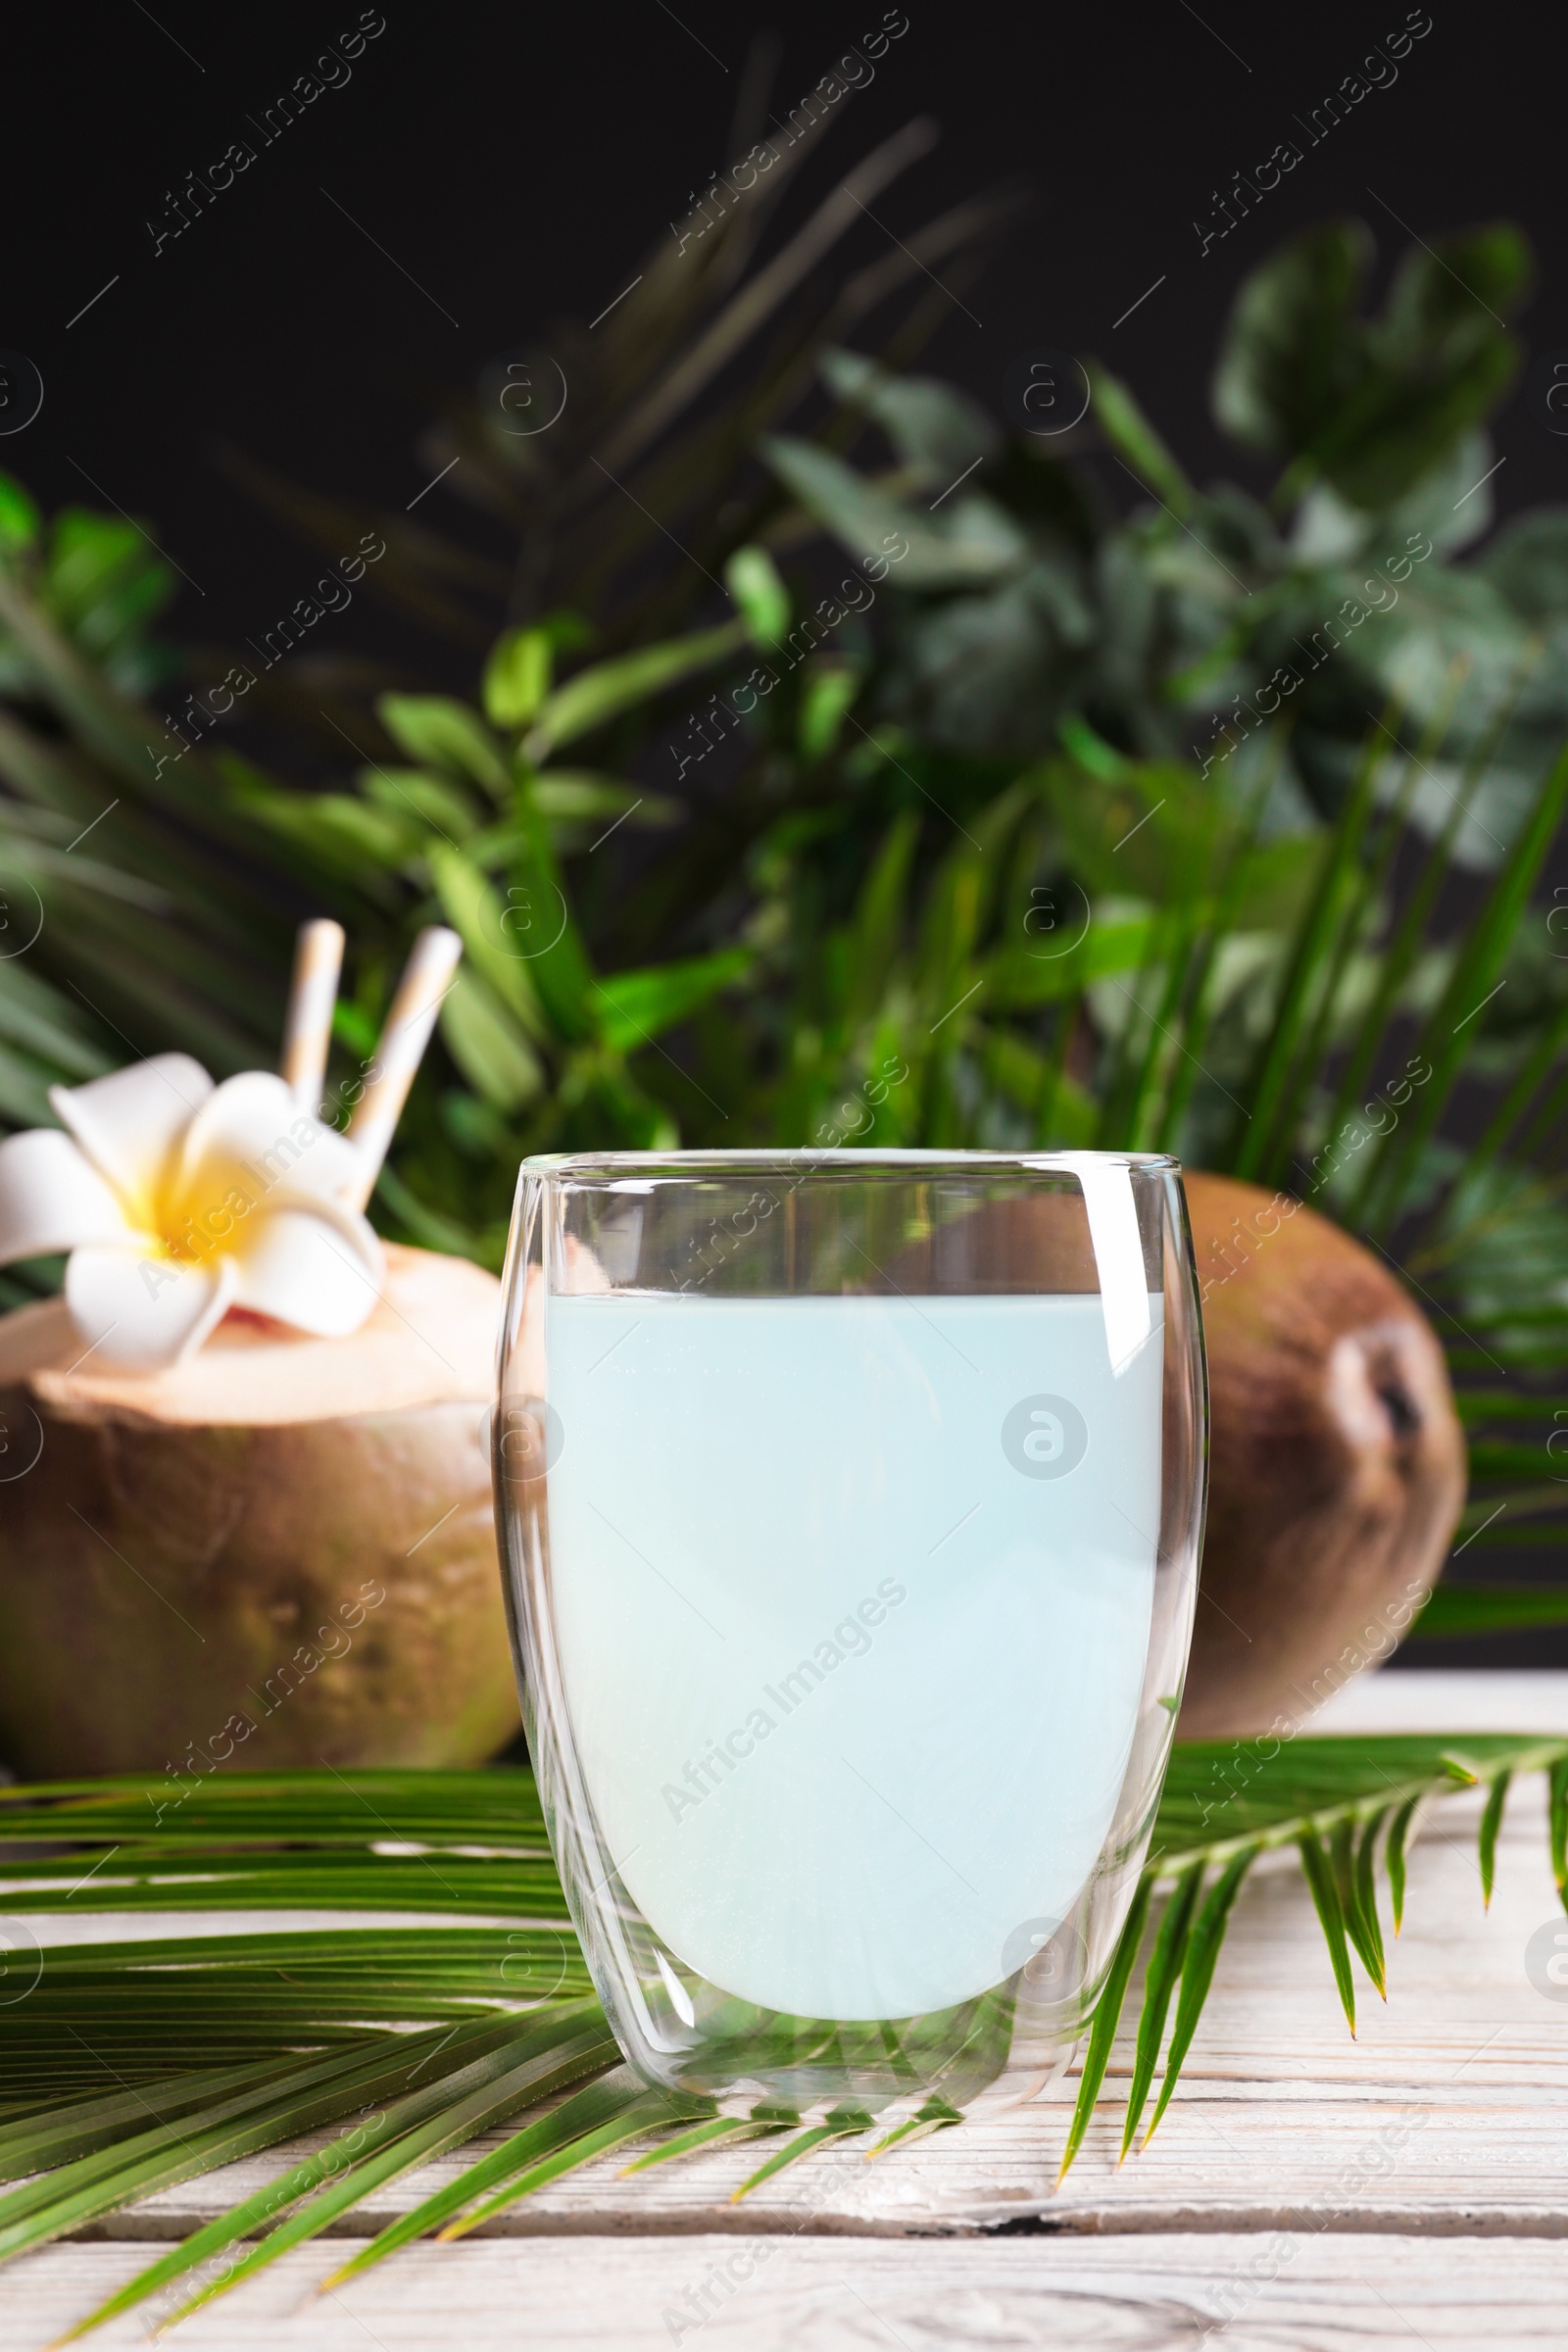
[
  {"x": 1348, "y": 1807},
  {"x": 924, "y": 858},
  {"x": 170, "y": 924},
  {"x": 1027, "y": 600},
  {"x": 130, "y": 2067}
]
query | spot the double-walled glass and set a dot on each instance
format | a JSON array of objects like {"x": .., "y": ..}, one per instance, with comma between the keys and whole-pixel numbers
[{"x": 850, "y": 1508}]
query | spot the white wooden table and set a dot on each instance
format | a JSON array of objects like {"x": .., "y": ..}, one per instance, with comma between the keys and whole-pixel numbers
[{"x": 1303, "y": 2190}]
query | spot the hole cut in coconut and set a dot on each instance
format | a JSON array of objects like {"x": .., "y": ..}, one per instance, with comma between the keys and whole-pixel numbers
[{"x": 429, "y": 1340}]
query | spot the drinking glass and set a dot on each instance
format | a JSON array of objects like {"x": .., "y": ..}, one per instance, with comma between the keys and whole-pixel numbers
[{"x": 850, "y": 1508}]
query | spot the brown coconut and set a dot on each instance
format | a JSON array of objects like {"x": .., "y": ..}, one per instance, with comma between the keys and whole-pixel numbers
[
  {"x": 1337, "y": 1463},
  {"x": 279, "y": 1551}
]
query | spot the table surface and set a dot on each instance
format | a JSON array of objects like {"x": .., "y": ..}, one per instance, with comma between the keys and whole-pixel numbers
[{"x": 1304, "y": 2190}]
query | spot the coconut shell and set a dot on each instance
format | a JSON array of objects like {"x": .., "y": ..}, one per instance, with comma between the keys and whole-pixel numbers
[
  {"x": 1337, "y": 1462},
  {"x": 279, "y": 1551}
]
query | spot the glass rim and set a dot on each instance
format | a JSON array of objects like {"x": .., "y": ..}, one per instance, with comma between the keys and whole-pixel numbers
[{"x": 820, "y": 1159}]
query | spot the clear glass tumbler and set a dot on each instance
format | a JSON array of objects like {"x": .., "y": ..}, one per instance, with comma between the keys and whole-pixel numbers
[{"x": 849, "y": 1509}]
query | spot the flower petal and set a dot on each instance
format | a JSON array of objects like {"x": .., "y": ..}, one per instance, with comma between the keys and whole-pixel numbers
[
  {"x": 251, "y": 1134},
  {"x": 130, "y": 1122},
  {"x": 143, "y": 1311},
  {"x": 318, "y": 1269},
  {"x": 52, "y": 1196}
]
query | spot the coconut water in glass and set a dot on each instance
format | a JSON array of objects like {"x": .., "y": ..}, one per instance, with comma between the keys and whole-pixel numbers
[{"x": 849, "y": 1507}]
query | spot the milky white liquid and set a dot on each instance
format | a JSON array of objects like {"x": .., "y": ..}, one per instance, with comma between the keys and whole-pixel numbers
[{"x": 853, "y": 1696}]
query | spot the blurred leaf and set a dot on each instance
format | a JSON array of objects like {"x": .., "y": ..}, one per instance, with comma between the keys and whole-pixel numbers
[
  {"x": 929, "y": 423},
  {"x": 488, "y": 1044},
  {"x": 18, "y": 517},
  {"x": 1030, "y": 971},
  {"x": 827, "y": 694},
  {"x": 438, "y": 732},
  {"x": 410, "y": 791},
  {"x": 753, "y": 580},
  {"x": 634, "y": 1007},
  {"x": 1458, "y": 1611},
  {"x": 103, "y": 579},
  {"x": 597, "y": 695},
  {"x": 517, "y": 677},
  {"x": 478, "y": 917},
  {"x": 1473, "y": 980},
  {"x": 35, "y": 1018},
  {"x": 1527, "y": 564},
  {"x": 344, "y": 832},
  {"x": 1373, "y": 405},
  {"x": 567, "y": 793},
  {"x": 24, "y": 1090},
  {"x": 1134, "y": 440},
  {"x": 539, "y": 915},
  {"x": 1290, "y": 353},
  {"x": 971, "y": 540},
  {"x": 1091, "y": 751}
]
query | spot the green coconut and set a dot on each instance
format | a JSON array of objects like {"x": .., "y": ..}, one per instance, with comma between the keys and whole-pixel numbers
[{"x": 279, "y": 1551}]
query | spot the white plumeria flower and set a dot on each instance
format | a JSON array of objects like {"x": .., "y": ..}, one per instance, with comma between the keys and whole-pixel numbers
[{"x": 177, "y": 1200}]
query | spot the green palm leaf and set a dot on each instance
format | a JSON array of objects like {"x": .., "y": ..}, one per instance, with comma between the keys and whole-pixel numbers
[
  {"x": 413, "y": 2130},
  {"x": 936, "y": 2115},
  {"x": 1320, "y": 1879},
  {"x": 703, "y": 2136},
  {"x": 1365, "y": 1902},
  {"x": 840, "y": 2122},
  {"x": 1317, "y": 1801},
  {"x": 133, "y": 2066},
  {"x": 1108, "y": 2014},
  {"x": 1394, "y": 1856},
  {"x": 1351, "y": 1884},
  {"x": 571, "y": 2128},
  {"x": 1491, "y": 1823},
  {"x": 82, "y": 2191},
  {"x": 416, "y": 2136},
  {"x": 637, "y": 2109},
  {"x": 1198, "y": 1972},
  {"x": 1165, "y": 1963},
  {"x": 1474, "y": 979}
]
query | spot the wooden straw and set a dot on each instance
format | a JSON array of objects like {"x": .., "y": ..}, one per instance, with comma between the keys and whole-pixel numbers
[
  {"x": 426, "y": 978},
  {"x": 312, "y": 996}
]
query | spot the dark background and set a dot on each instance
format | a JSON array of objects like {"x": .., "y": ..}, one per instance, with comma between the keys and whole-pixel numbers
[{"x": 505, "y": 167}]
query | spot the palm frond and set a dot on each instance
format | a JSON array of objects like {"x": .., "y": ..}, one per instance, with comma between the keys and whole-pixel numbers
[
  {"x": 637, "y": 2111},
  {"x": 563, "y": 2134},
  {"x": 702, "y": 2135},
  {"x": 936, "y": 2115},
  {"x": 1166, "y": 1963},
  {"x": 132, "y": 2066},
  {"x": 415, "y": 2129},
  {"x": 1330, "y": 1802},
  {"x": 1197, "y": 1972},
  {"x": 840, "y": 2122},
  {"x": 1326, "y": 1902}
]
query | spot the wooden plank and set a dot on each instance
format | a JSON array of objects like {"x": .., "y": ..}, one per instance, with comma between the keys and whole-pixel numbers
[
  {"x": 1444, "y": 2116},
  {"x": 1310, "y": 2291}
]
